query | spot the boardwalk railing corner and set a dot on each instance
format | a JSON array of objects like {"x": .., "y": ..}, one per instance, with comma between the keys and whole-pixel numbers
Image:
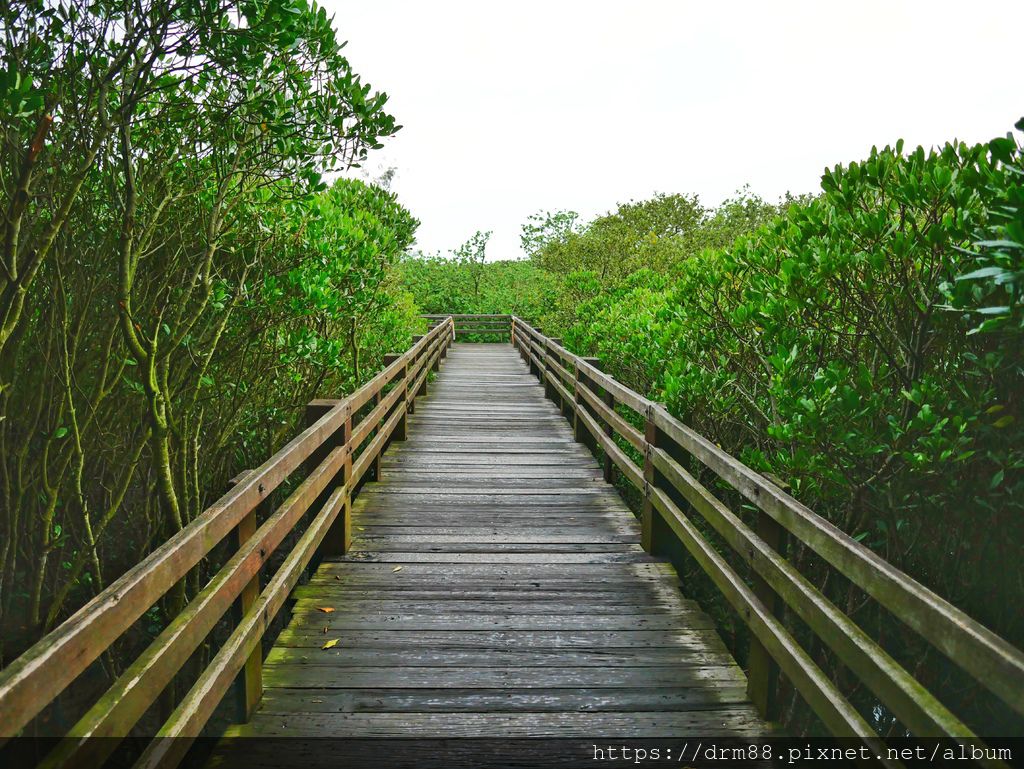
[
  {"x": 338, "y": 450},
  {"x": 493, "y": 328},
  {"x": 673, "y": 499}
]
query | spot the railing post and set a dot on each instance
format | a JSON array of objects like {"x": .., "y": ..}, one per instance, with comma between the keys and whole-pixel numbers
[
  {"x": 399, "y": 433},
  {"x": 648, "y": 540},
  {"x": 579, "y": 430},
  {"x": 762, "y": 671},
  {"x": 608, "y": 470},
  {"x": 550, "y": 374},
  {"x": 535, "y": 367},
  {"x": 423, "y": 387},
  {"x": 339, "y": 537},
  {"x": 375, "y": 467},
  {"x": 249, "y": 681}
]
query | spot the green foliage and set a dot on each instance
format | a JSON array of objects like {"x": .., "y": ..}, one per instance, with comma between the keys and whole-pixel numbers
[
  {"x": 546, "y": 227},
  {"x": 466, "y": 283},
  {"x": 346, "y": 244},
  {"x": 992, "y": 290},
  {"x": 819, "y": 349},
  {"x": 176, "y": 279}
]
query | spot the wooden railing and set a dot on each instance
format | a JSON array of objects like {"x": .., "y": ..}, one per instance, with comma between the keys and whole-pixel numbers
[
  {"x": 341, "y": 445},
  {"x": 671, "y": 495},
  {"x": 495, "y": 328}
]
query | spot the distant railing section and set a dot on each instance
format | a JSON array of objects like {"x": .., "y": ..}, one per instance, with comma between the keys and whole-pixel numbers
[
  {"x": 672, "y": 495},
  {"x": 341, "y": 445},
  {"x": 495, "y": 328}
]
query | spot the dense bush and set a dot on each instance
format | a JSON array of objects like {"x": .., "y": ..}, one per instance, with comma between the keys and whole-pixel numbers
[
  {"x": 176, "y": 279},
  {"x": 821, "y": 349},
  {"x": 465, "y": 282}
]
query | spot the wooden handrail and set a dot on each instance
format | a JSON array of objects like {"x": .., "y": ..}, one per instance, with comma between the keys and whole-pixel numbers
[
  {"x": 38, "y": 676},
  {"x": 668, "y": 490},
  {"x": 483, "y": 325}
]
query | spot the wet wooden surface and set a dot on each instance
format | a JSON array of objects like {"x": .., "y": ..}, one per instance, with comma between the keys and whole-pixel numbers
[{"x": 496, "y": 587}]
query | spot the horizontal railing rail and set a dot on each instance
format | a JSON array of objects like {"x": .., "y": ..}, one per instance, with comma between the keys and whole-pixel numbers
[
  {"x": 480, "y": 325},
  {"x": 341, "y": 446},
  {"x": 671, "y": 493}
]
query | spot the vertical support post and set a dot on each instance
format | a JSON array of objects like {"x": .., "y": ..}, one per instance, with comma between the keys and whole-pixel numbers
[
  {"x": 579, "y": 430},
  {"x": 375, "y": 467},
  {"x": 248, "y": 686},
  {"x": 553, "y": 393},
  {"x": 535, "y": 368},
  {"x": 339, "y": 537},
  {"x": 399, "y": 433},
  {"x": 762, "y": 671},
  {"x": 608, "y": 470},
  {"x": 423, "y": 387},
  {"x": 648, "y": 514}
]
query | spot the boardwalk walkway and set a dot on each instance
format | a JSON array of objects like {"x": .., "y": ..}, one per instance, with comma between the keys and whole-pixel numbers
[{"x": 496, "y": 587}]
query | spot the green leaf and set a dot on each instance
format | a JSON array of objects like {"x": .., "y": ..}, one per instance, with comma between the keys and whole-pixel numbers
[{"x": 984, "y": 272}]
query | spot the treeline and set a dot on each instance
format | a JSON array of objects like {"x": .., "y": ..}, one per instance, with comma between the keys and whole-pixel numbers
[
  {"x": 177, "y": 281},
  {"x": 862, "y": 348}
]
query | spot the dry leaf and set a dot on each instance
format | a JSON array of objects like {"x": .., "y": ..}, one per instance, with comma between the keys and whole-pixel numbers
[
  {"x": 325, "y": 609},
  {"x": 330, "y": 644},
  {"x": 397, "y": 568},
  {"x": 326, "y": 628}
]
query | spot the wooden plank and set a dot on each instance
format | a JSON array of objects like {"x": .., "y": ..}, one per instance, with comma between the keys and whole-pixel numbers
[
  {"x": 688, "y": 637},
  {"x": 636, "y": 555},
  {"x": 405, "y": 657},
  {"x": 661, "y": 699},
  {"x": 459, "y": 621},
  {"x": 736, "y": 720},
  {"x": 292, "y": 675}
]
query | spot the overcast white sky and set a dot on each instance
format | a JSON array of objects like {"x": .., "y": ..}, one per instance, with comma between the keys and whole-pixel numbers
[{"x": 510, "y": 108}]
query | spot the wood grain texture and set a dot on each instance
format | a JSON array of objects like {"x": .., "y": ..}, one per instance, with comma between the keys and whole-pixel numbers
[{"x": 496, "y": 586}]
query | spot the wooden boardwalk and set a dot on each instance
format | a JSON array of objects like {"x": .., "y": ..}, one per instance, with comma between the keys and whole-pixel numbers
[{"x": 496, "y": 587}]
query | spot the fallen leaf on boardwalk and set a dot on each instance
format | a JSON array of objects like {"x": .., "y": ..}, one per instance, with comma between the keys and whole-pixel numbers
[
  {"x": 337, "y": 577},
  {"x": 325, "y": 609},
  {"x": 326, "y": 628},
  {"x": 397, "y": 568},
  {"x": 330, "y": 644}
]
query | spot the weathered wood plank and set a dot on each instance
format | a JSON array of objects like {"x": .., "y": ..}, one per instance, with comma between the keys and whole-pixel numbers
[
  {"x": 293, "y": 675},
  {"x": 736, "y": 720},
  {"x": 312, "y": 636},
  {"x": 662, "y": 699}
]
